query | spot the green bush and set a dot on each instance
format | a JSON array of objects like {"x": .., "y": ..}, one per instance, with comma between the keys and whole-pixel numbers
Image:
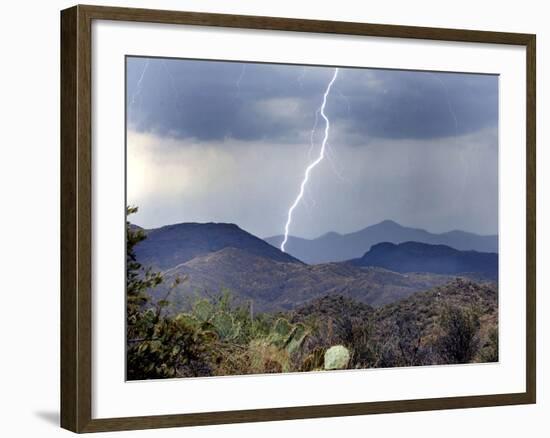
[
  {"x": 215, "y": 335},
  {"x": 158, "y": 346},
  {"x": 459, "y": 342}
]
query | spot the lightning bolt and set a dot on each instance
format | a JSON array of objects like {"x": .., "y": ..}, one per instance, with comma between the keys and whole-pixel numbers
[
  {"x": 312, "y": 135},
  {"x": 313, "y": 164},
  {"x": 334, "y": 167},
  {"x": 464, "y": 162},
  {"x": 301, "y": 77},
  {"x": 171, "y": 76},
  {"x": 239, "y": 79},
  {"x": 139, "y": 87},
  {"x": 448, "y": 99}
]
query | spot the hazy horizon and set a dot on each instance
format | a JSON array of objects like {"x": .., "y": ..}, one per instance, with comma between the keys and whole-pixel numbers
[
  {"x": 228, "y": 142},
  {"x": 314, "y": 237}
]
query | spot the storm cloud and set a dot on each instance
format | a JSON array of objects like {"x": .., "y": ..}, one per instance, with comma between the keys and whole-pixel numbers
[
  {"x": 228, "y": 142},
  {"x": 211, "y": 100}
]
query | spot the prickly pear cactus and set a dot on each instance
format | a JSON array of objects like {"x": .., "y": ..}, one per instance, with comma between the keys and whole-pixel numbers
[
  {"x": 225, "y": 326},
  {"x": 280, "y": 333},
  {"x": 186, "y": 320},
  {"x": 285, "y": 335},
  {"x": 203, "y": 310},
  {"x": 336, "y": 358},
  {"x": 297, "y": 337}
]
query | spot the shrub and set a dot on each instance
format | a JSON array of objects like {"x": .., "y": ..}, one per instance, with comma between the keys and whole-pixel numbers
[
  {"x": 158, "y": 346},
  {"x": 489, "y": 350},
  {"x": 459, "y": 342}
]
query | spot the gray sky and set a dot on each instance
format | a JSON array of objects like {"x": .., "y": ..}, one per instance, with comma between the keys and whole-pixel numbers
[{"x": 229, "y": 142}]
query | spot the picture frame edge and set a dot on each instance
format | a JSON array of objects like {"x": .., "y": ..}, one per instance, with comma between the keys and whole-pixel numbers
[{"x": 75, "y": 225}]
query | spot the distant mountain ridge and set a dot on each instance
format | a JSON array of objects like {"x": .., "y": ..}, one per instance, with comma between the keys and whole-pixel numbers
[
  {"x": 422, "y": 257},
  {"x": 172, "y": 245},
  {"x": 278, "y": 286},
  {"x": 334, "y": 247},
  {"x": 213, "y": 257}
]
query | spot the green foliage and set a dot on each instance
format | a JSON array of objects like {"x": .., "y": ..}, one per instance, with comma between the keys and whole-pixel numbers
[
  {"x": 336, "y": 358},
  {"x": 175, "y": 349},
  {"x": 158, "y": 346},
  {"x": 218, "y": 336},
  {"x": 297, "y": 339},
  {"x": 280, "y": 333},
  {"x": 139, "y": 281},
  {"x": 489, "y": 350},
  {"x": 251, "y": 344},
  {"x": 225, "y": 325},
  {"x": 220, "y": 316},
  {"x": 285, "y": 335},
  {"x": 203, "y": 310},
  {"x": 459, "y": 342}
]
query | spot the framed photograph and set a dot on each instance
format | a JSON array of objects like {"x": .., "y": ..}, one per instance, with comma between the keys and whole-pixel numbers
[{"x": 268, "y": 218}]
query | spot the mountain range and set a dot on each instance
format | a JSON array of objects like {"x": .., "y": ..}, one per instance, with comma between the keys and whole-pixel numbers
[
  {"x": 421, "y": 257},
  {"x": 335, "y": 247},
  {"x": 171, "y": 245},
  {"x": 279, "y": 286},
  {"x": 214, "y": 257}
]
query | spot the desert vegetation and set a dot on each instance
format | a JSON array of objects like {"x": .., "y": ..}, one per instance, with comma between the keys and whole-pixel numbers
[{"x": 216, "y": 335}]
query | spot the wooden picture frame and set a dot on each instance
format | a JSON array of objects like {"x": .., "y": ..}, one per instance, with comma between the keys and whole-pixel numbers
[{"x": 76, "y": 218}]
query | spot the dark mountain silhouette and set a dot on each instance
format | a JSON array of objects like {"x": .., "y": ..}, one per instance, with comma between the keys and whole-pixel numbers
[
  {"x": 277, "y": 286},
  {"x": 334, "y": 247},
  {"x": 422, "y": 257},
  {"x": 172, "y": 245}
]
